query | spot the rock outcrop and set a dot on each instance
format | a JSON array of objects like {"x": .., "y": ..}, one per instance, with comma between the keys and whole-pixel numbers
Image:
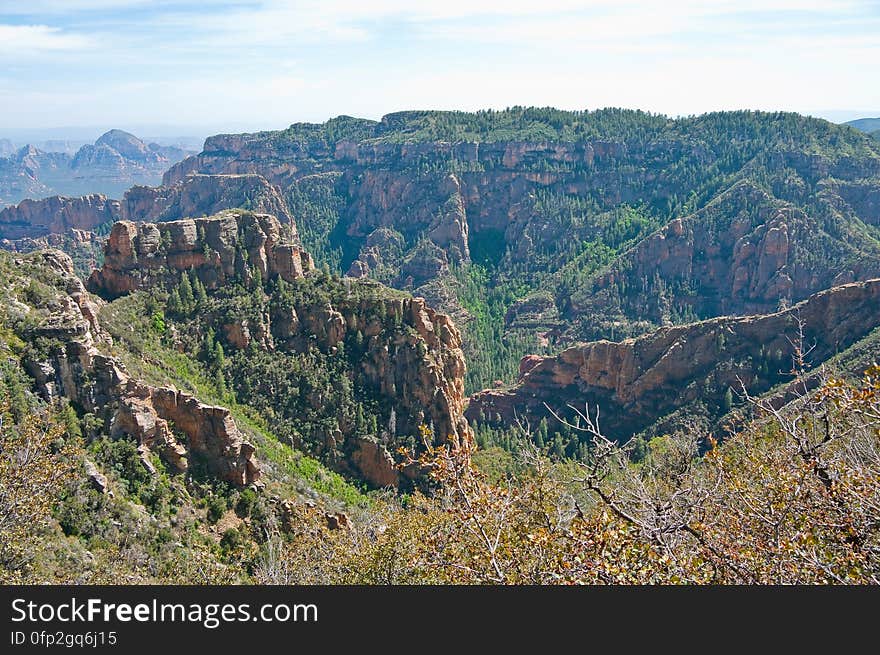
[
  {"x": 197, "y": 195},
  {"x": 637, "y": 382},
  {"x": 77, "y": 369},
  {"x": 57, "y": 215},
  {"x": 417, "y": 368},
  {"x": 233, "y": 243},
  {"x": 147, "y": 414},
  {"x": 411, "y": 358}
]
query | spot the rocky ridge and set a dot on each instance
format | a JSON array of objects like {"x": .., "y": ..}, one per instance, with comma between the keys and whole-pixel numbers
[
  {"x": 414, "y": 202},
  {"x": 743, "y": 254},
  {"x": 77, "y": 369},
  {"x": 56, "y": 215},
  {"x": 198, "y": 195},
  {"x": 630, "y": 380}
]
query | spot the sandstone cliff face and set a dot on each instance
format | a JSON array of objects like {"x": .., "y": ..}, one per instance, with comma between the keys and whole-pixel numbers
[
  {"x": 203, "y": 195},
  {"x": 217, "y": 249},
  {"x": 638, "y": 381},
  {"x": 723, "y": 259},
  {"x": 147, "y": 412},
  {"x": 56, "y": 215},
  {"x": 197, "y": 195},
  {"x": 98, "y": 383},
  {"x": 383, "y": 199},
  {"x": 417, "y": 368},
  {"x": 425, "y": 369}
]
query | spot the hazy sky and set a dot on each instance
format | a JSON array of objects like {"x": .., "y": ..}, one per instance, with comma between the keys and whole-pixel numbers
[{"x": 266, "y": 63}]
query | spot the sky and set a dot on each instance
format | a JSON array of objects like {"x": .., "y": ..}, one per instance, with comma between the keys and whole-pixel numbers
[{"x": 233, "y": 65}]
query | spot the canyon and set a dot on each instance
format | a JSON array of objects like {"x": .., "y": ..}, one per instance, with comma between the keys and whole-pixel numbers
[{"x": 535, "y": 230}]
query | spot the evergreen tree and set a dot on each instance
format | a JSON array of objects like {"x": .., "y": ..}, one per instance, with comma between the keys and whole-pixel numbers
[
  {"x": 539, "y": 440},
  {"x": 174, "y": 304},
  {"x": 727, "y": 401},
  {"x": 187, "y": 300},
  {"x": 201, "y": 295}
]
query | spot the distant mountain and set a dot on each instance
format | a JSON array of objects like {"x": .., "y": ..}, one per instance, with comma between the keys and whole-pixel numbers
[
  {"x": 60, "y": 145},
  {"x": 115, "y": 162},
  {"x": 190, "y": 143},
  {"x": 865, "y": 124}
]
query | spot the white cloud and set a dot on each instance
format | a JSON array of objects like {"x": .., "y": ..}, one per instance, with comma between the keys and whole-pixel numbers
[{"x": 30, "y": 39}]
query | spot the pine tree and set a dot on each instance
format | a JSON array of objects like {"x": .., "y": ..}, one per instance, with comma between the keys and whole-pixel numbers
[
  {"x": 219, "y": 356},
  {"x": 558, "y": 447},
  {"x": 209, "y": 343},
  {"x": 201, "y": 295},
  {"x": 727, "y": 401},
  {"x": 539, "y": 440},
  {"x": 187, "y": 300},
  {"x": 360, "y": 424},
  {"x": 174, "y": 306},
  {"x": 542, "y": 431}
]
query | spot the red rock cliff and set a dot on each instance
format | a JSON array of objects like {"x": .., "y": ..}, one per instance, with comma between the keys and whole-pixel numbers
[
  {"x": 138, "y": 254},
  {"x": 637, "y": 381},
  {"x": 99, "y": 383},
  {"x": 55, "y": 215}
]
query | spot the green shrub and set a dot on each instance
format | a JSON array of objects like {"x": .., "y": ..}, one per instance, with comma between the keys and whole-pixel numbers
[
  {"x": 216, "y": 508},
  {"x": 246, "y": 502}
]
